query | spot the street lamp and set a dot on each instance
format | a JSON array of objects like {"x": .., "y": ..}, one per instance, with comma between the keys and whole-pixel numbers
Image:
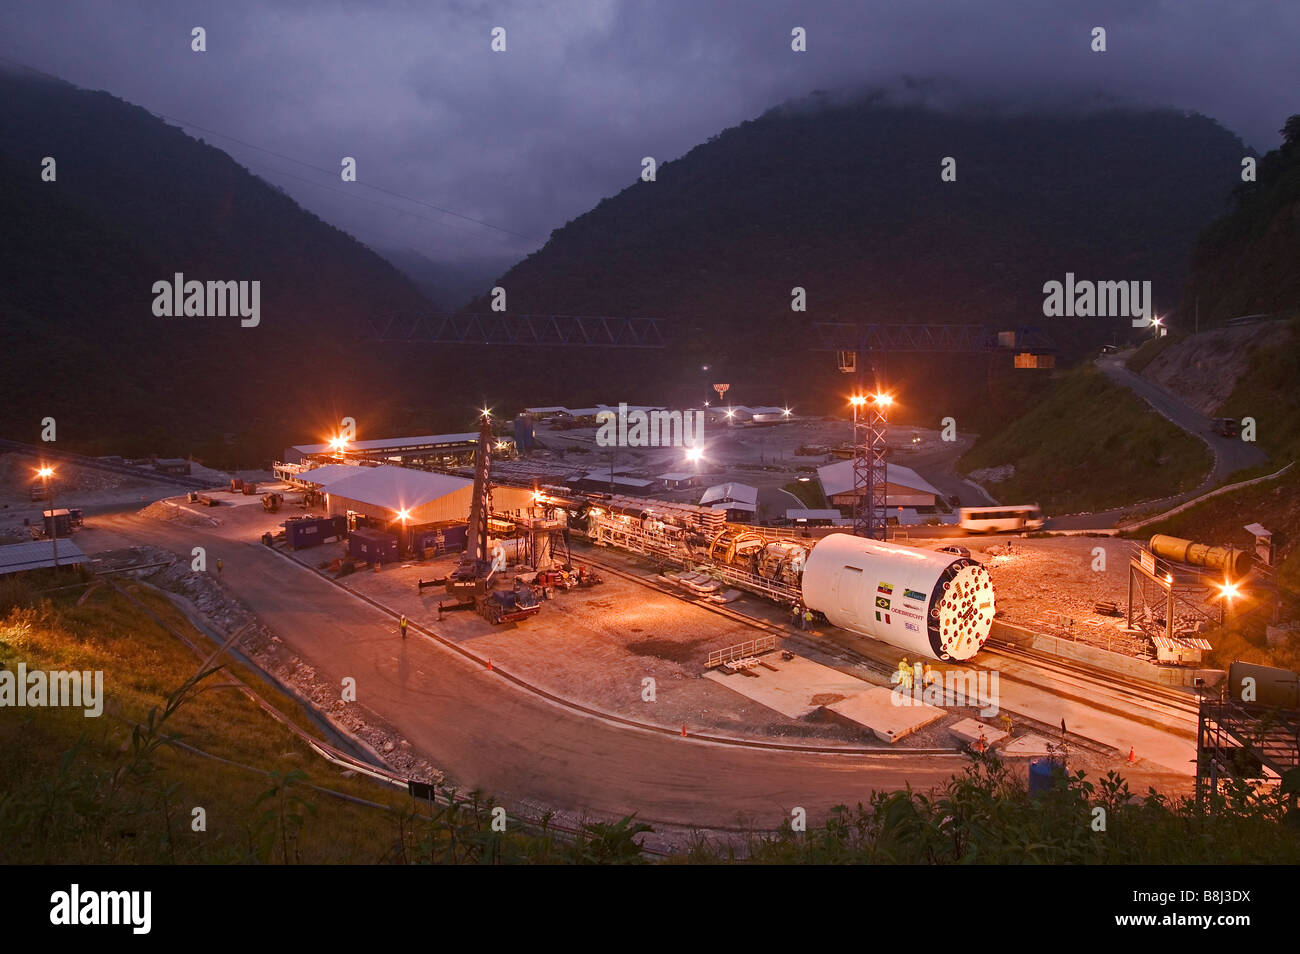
[{"x": 45, "y": 473}]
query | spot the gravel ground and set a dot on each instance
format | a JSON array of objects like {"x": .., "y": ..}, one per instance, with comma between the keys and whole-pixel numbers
[
  {"x": 1040, "y": 580},
  {"x": 596, "y": 647}
]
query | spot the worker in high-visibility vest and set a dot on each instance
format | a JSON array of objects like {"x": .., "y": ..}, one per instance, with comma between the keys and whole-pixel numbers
[
  {"x": 402, "y": 625},
  {"x": 904, "y": 673}
]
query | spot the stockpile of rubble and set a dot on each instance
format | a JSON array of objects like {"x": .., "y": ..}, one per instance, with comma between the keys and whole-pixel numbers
[
  {"x": 1055, "y": 585},
  {"x": 162, "y": 510}
]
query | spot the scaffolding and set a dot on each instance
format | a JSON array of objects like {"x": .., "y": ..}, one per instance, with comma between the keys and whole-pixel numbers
[
  {"x": 870, "y": 474},
  {"x": 1238, "y": 740},
  {"x": 1157, "y": 586}
]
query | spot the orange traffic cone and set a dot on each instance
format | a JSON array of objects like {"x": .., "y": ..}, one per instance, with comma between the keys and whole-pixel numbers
[
  {"x": 1132, "y": 756},
  {"x": 683, "y": 730},
  {"x": 489, "y": 664}
]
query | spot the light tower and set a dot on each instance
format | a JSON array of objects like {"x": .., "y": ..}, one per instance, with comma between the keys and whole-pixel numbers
[{"x": 870, "y": 476}]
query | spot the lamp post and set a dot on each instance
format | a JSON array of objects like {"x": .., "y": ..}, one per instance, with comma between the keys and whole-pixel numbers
[{"x": 45, "y": 473}]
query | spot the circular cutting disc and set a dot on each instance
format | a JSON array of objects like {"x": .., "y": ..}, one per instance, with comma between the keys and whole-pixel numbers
[{"x": 965, "y": 606}]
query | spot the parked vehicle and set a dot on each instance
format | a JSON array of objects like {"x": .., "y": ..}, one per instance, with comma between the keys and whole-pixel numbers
[{"x": 1226, "y": 426}]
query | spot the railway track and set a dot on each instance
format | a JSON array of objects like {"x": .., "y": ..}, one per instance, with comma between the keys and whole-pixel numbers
[{"x": 1157, "y": 700}]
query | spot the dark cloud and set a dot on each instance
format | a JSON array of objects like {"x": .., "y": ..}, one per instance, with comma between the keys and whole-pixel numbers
[{"x": 528, "y": 139}]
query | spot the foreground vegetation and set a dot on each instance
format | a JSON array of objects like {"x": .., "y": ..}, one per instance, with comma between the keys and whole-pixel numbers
[
  {"x": 123, "y": 788},
  {"x": 987, "y": 816},
  {"x": 1089, "y": 444}
]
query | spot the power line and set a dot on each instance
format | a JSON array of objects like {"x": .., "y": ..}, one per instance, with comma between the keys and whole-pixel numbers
[{"x": 329, "y": 188}]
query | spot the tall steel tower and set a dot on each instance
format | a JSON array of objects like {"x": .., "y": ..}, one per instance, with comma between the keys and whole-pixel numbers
[{"x": 870, "y": 472}]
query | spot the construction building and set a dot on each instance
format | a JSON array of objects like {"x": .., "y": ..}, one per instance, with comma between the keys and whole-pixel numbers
[
  {"x": 904, "y": 486},
  {"x": 428, "y": 448},
  {"x": 39, "y": 554},
  {"x": 403, "y": 502},
  {"x": 738, "y": 501}
]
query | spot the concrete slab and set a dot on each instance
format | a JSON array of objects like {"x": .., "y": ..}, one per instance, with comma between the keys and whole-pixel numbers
[
  {"x": 969, "y": 731},
  {"x": 1027, "y": 746},
  {"x": 877, "y": 709},
  {"x": 798, "y": 687}
]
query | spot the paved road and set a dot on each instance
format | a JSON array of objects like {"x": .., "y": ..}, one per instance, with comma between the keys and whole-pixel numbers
[
  {"x": 485, "y": 732},
  {"x": 1231, "y": 454}
]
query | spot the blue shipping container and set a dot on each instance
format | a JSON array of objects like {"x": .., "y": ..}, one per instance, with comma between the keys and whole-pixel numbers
[
  {"x": 1040, "y": 775},
  {"x": 440, "y": 539},
  {"x": 313, "y": 531},
  {"x": 372, "y": 546}
]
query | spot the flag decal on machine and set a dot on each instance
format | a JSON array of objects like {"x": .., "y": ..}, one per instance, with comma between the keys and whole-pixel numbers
[{"x": 878, "y": 617}]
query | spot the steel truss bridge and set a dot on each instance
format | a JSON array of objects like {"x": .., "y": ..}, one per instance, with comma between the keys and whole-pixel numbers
[{"x": 502, "y": 329}]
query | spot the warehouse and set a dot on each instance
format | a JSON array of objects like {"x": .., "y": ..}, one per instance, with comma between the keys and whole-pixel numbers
[
  {"x": 389, "y": 448},
  {"x": 599, "y": 481},
  {"x": 904, "y": 486},
  {"x": 740, "y": 501},
  {"x": 39, "y": 554},
  {"x": 390, "y": 498},
  {"x": 321, "y": 477}
]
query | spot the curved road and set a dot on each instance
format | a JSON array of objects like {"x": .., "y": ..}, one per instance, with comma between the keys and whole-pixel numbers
[
  {"x": 1231, "y": 454},
  {"x": 487, "y": 733}
]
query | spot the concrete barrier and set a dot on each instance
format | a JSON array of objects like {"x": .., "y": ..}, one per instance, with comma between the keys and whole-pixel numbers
[{"x": 1100, "y": 658}]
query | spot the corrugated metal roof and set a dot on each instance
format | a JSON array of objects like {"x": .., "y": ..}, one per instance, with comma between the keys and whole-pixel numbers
[
  {"x": 396, "y": 488},
  {"x": 324, "y": 476},
  {"x": 1179, "y": 643},
  {"x": 837, "y": 478},
  {"x": 741, "y": 493},
  {"x": 393, "y": 443},
  {"x": 37, "y": 554},
  {"x": 602, "y": 476}
]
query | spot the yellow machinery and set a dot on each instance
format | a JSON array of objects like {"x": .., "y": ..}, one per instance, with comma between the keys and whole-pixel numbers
[{"x": 1233, "y": 562}]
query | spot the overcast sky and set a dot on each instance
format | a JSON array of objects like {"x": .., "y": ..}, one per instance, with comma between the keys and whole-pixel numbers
[{"x": 528, "y": 139}]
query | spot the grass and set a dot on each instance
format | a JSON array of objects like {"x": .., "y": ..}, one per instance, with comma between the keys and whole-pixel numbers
[
  {"x": 809, "y": 493},
  {"x": 1149, "y": 351},
  {"x": 1270, "y": 393},
  {"x": 122, "y": 789},
  {"x": 1089, "y": 444}
]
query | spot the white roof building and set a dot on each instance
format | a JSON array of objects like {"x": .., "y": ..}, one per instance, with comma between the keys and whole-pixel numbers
[
  {"x": 384, "y": 492},
  {"x": 904, "y": 486},
  {"x": 731, "y": 496}
]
